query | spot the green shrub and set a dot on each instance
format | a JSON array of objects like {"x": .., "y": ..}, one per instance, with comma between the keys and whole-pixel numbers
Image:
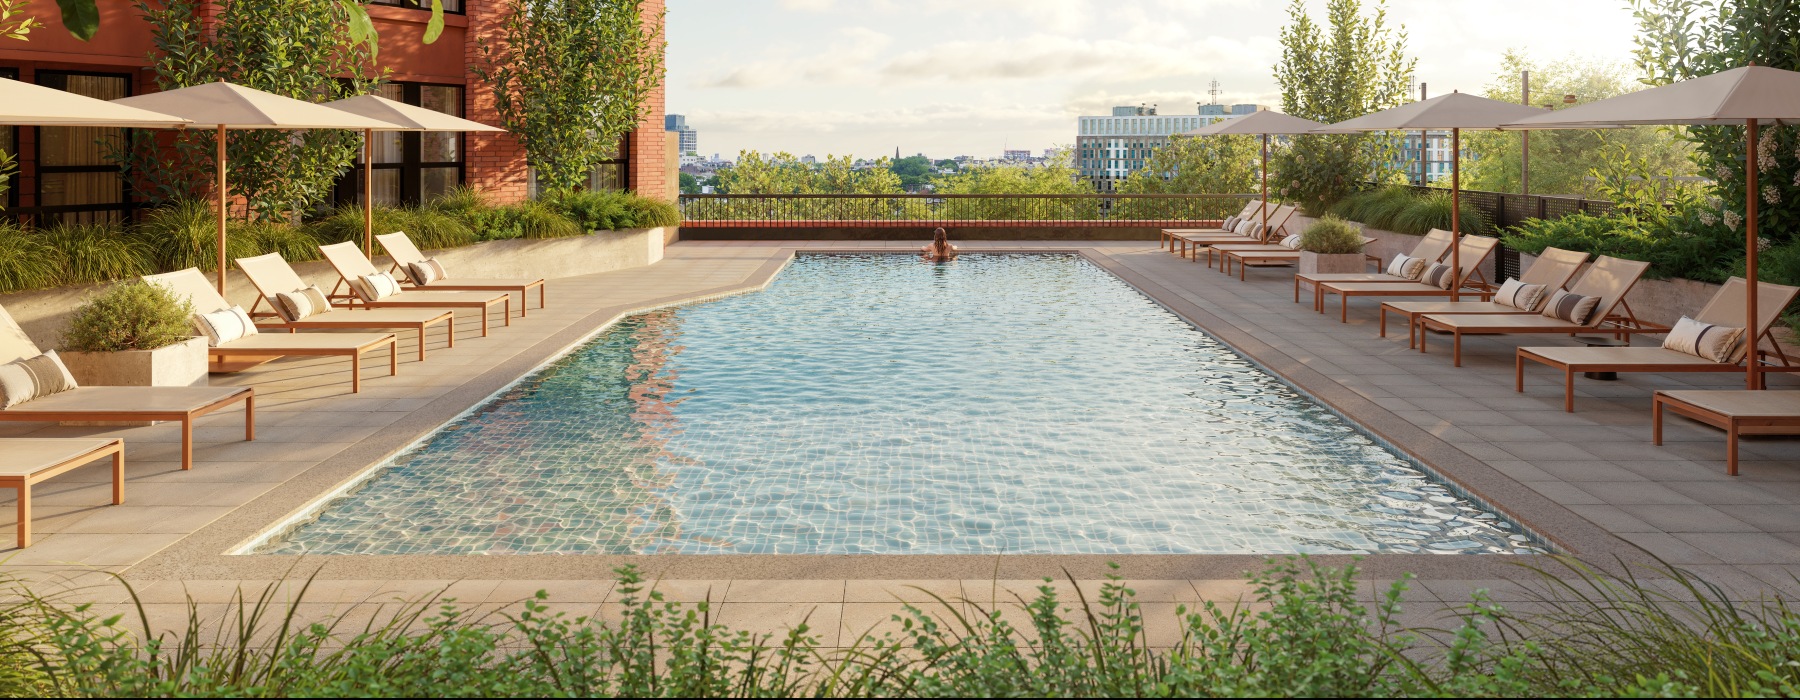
[
  {"x": 539, "y": 220},
  {"x": 458, "y": 199},
  {"x": 431, "y": 229},
  {"x": 292, "y": 243},
  {"x": 1432, "y": 211},
  {"x": 614, "y": 211},
  {"x": 645, "y": 212},
  {"x": 185, "y": 234},
  {"x": 99, "y": 253},
  {"x": 130, "y": 316},
  {"x": 27, "y": 261},
  {"x": 1331, "y": 236},
  {"x": 1699, "y": 252}
]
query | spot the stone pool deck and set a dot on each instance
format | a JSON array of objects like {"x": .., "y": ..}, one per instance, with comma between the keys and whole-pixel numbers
[{"x": 1590, "y": 481}]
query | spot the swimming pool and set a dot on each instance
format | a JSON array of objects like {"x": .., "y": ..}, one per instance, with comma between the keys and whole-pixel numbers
[{"x": 877, "y": 404}]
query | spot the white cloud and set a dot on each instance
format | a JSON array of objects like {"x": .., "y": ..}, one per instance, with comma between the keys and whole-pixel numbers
[{"x": 807, "y": 5}]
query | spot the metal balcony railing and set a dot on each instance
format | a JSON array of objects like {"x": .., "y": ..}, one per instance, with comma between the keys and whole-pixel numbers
[{"x": 958, "y": 210}]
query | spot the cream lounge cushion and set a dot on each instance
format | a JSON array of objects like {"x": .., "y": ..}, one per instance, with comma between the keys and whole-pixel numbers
[
  {"x": 130, "y": 399},
  {"x": 1569, "y": 306},
  {"x": 302, "y": 303},
  {"x": 1705, "y": 340},
  {"x": 1406, "y": 267},
  {"x": 28, "y": 456},
  {"x": 1623, "y": 358},
  {"x": 1519, "y": 295},
  {"x": 376, "y": 286},
  {"x": 226, "y": 326},
  {"x": 34, "y": 378},
  {"x": 1439, "y": 275},
  {"x": 426, "y": 271}
]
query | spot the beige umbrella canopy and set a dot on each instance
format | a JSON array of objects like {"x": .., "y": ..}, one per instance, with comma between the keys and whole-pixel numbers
[
  {"x": 1264, "y": 124},
  {"x": 404, "y": 117},
  {"x": 1752, "y": 96},
  {"x": 222, "y": 106},
  {"x": 1455, "y": 111},
  {"x": 35, "y": 105}
]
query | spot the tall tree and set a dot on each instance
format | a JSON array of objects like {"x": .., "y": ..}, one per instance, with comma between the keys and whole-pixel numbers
[
  {"x": 1352, "y": 65},
  {"x": 1193, "y": 165},
  {"x": 571, "y": 78},
  {"x": 1682, "y": 39},
  {"x": 301, "y": 50}
]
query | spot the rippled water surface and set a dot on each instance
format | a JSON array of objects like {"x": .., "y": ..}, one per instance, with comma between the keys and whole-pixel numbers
[{"x": 883, "y": 405}]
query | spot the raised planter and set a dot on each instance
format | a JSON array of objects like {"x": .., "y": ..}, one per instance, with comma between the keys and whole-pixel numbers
[
  {"x": 1386, "y": 244},
  {"x": 182, "y": 364},
  {"x": 1319, "y": 264}
]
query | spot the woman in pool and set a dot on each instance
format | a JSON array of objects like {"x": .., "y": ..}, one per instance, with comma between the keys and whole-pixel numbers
[{"x": 940, "y": 249}]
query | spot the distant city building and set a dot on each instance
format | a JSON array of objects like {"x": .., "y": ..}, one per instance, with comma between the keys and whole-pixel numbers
[
  {"x": 690, "y": 139},
  {"x": 1434, "y": 163},
  {"x": 1011, "y": 154},
  {"x": 809, "y": 159},
  {"x": 1108, "y": 149}
]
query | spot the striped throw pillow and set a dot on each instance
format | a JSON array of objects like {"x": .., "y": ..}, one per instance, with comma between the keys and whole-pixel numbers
[
  {"x": 221, "y": 327},
  {"x": 1706, "y": 340},
  {"x": 302, "y": 303},
  {"x": 32, "y": 378},
  {"x": 1439, "y": 275},
  {"x": 1230, "y": 222},
  {"x": 1292, "y": 241},
  {"x": 1406, "y": 267},
  {"x": 425, "y": 271},
  {"x": 1521, "y": 296},
  {"x": 376, "y": 287},
  {"x": 1244, "y": 227},
  {"x": 1571, "y": 307}
]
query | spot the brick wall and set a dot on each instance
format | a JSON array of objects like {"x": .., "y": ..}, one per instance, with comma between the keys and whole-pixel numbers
[{"x": 649, "y": 174}]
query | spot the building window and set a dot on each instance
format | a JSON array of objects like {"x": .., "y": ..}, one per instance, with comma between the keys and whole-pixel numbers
[
  {"x": 9, "y": 144},
  {"x": 451, "y": 6},
  {"x": 411, "y": 167},
  {"x": 608, "y": 176},
  {"x": 75, "y": 181}
]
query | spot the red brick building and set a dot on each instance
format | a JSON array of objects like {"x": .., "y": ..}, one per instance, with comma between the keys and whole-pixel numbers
[{"x": 62, "y": 172}]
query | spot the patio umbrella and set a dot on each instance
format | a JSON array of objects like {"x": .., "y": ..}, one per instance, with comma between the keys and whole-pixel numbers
[
  {"x": 1264, "y": 124},
  {"x": 222, "y": 106},
  {"x": 1455, "y": 111},
  {"x": 1751, "y": 96},
  {"x": 405, "y": 117},
  {"x": 36, "y": 105}
]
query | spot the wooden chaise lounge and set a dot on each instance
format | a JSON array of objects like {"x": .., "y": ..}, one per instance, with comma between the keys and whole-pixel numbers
[
  {"x": 350, "y": 264},
  {"x": 1431, "y": 248},
  {"x": 1609, "y": 279},
  {"x": 1475, "y": 251},
  {"x": 1553, "y": 269},
  {"x": 193, "y": 285},
  {"x": 1737, "y": 412},
  {"x": 271, "y": 275},
  {"x": 1274, "y": 256},
  {"x": 26, "y": 461},
  {"x": 1271, "y": 238},
  {"x": 401, "y": 250},
  {"x": 183, "y": 404},
  {"x": 1168, "y": 235},
  {"x": 1725, "y": 309},
  {"x": 1266, "y": 232}
]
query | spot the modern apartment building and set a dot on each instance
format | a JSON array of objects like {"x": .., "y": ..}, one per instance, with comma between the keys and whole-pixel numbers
[
  {"x": 1110, "y": 148},
  {"x": 1434, "y": 162},
  {"x": 65, "y": 174},
  {"x": 686, "y": 137}
]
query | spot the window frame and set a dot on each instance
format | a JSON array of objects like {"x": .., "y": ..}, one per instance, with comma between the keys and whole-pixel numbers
[
  {"x": 412, "y": 165},
  {"x": 462, "y": 5},
  {"x": 12, "y": 189},
  {"x": 39, "y": 212}
]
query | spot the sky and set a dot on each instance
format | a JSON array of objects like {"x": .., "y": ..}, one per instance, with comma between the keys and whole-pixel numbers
[{"x": 973, "y": 77}]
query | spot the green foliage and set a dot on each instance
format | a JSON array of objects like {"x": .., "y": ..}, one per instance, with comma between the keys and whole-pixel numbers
[
  {"x": 1209, "y": 165},
  {"x": 614, "y": 211},
  {"x": 913, "y": 171},
  {"x": 1689, "y": 249},
  {"x": 571, "y": 78},
  {"x": 540, "y": 220},
  {"x": 26, "y": 260},
  {"x": 1305, "y": 631},
  {"x": 185, "y": 233},
  {"x": 1402, "y": 209},
  {"x": 99, "y": 253},
  {"x": 1562, "y": 159},
  {"x": 784, "y": 173},
  {"x": 1331, "y": 236},
  {"x": 1682, "y": 39},
  {"x": 300, "y": 50},
  {"x": 1353, "y": 66},
  {"x": 134, "y": 315}
]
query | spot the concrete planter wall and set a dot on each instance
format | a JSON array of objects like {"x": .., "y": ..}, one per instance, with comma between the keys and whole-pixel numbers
[
  {"x": 1317, "y": 264},
  {"x": 182, "y": 364},
  {"x": 45, "y": 313}
]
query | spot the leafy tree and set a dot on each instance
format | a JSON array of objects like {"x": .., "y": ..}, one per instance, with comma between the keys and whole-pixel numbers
[
  {"x": 783, "y": 173},
  {"x": 1682, "y": 39},
  {"x": 913, "y": 171},
  {"x": 82, "y": 19},
  {"x": 690, "y": 184},
  {"x": 298, "y": 50},
  {"x": 1562, "y": 160},
  {"x": 571, "y": 78},
  {"x": 1353, "y": 65},
  {"x": 1058, "y": 176},
  {"x": 1194, "y": 165}
]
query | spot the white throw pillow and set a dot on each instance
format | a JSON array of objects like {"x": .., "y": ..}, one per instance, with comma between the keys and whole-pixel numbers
[
  {"x": 1521, "y": 296},
  {"x": 1570, "y": 307},
  {"x": 221, "y": 327},
  {"x": 1439, "y": 275},
  {"x": 31, "y": 378},
  {"x": 302, "y": 303},
  {"x": 1230, "y": 223},
  {"x": 1406, "y": 267},
  {"x": 1292, "y": 242},
  {"x": 1706, "y": 340},
  {"x": 426, "y": 271},
  {"x": 376, "y": 287}
]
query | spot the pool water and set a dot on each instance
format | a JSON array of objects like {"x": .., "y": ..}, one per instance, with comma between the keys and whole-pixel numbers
[{"x": 878, "y": 404}]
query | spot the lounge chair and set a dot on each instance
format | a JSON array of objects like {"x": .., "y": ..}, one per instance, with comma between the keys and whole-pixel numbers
[
  {"x": 350, "y": 264},
  {"x": 1725, "y": 309},
  {"x": 271, "y": 275},
  {"x": 1553, "y": 269},
  {"x": 1431, "y": 248},
  {"x": 27, "y": 461},
  {"x": 404, "y": 253},
  {"x": 192, "y": 285},
  {"x": 1609, "y": 279},
  {"x": 1168, "y": 234},
  {"x": 1737, "y": 412},
  {"x": 184, "y": 404},
  {"x": 1195, "y": 240},
  {"x": 1272, "y": 256},
  {"x": 1271, "y": 237},
  {"x": 1475, "y": 251}
]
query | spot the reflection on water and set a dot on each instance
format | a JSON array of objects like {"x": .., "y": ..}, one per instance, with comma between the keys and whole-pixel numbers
[{"x": 877, "y": 404}]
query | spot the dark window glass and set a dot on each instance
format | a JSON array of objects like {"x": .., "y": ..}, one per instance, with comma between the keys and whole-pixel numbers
[
  {"x": 75, "y": 181},
  {"x": 451, "y": 6},
  {"x": 410, "y": 167}
]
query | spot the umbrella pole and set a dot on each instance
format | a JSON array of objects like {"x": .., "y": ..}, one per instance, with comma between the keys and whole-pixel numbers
[
  {"x": 1751, "y": 243},
  {"x": 368, "y": 194},
  {"x": 1265, "y": 185},
  {"x": 1455, "y": 214},
  {"x": 219, "y": 168}
]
